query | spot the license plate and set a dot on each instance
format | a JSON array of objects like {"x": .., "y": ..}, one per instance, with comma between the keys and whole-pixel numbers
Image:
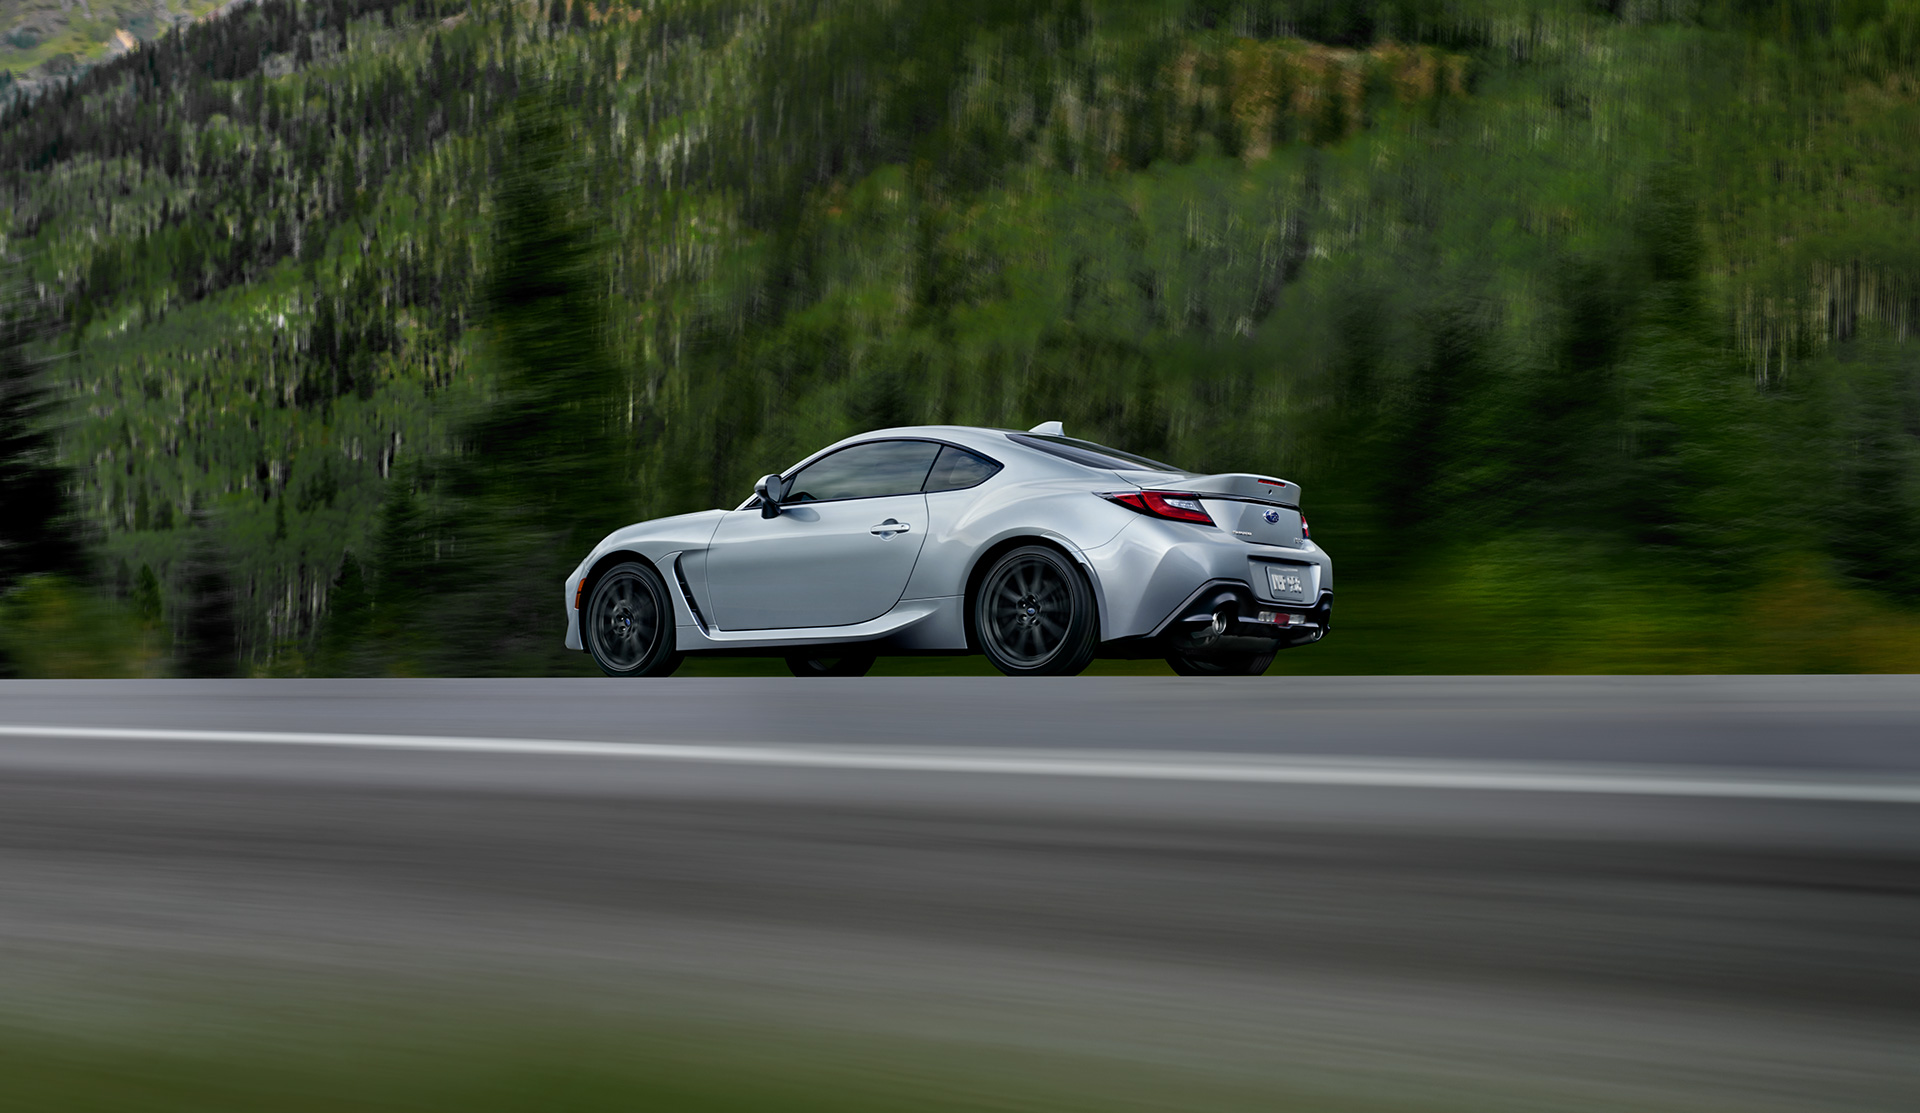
[{"x": 1289, "y": 584}]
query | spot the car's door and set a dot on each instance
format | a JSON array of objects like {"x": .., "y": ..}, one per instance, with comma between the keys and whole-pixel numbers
[{"x": 839, "y": 551}]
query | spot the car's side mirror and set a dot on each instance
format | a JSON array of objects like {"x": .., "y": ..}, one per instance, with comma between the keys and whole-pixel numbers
[{"x": 770, "y": 490}]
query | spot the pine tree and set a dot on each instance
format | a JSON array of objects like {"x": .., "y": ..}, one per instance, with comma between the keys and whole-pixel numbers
[
  {"x": 39, "y": 531},
  {"x": 544, "y": 453},
  {"x": 1874, "y": 522},
  {"x": 145, "y": 599},
  {"x": 206, "y": 640},
  {"x": 349, "y": 609}
]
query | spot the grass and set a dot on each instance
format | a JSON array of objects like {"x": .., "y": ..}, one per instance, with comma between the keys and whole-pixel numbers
[
  {"x": 395, "y": 1057},
  {"x": 1492, "y": 611},
  {"x": 1506, "y": 611}
]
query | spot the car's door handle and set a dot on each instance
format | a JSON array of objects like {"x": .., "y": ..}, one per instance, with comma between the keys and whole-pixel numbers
[{"x": 885, "y": 530}]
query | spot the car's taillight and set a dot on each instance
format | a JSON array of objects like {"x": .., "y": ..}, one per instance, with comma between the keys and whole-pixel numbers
[
  {"x": 1171, "y": 505},
  {"x": 1304, "y": 531}
]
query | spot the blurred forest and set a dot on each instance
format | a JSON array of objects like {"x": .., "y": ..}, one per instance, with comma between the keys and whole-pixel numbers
[{"x": 1587, "y": 325}]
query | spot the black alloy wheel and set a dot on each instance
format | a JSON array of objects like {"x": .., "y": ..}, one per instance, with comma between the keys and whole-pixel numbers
[
  {"x": 823, "y": 664},
  {"x": 628, "y": 623},
  {"x": 1033, "y": 614},
  {"x": 1219, "y": 664}
]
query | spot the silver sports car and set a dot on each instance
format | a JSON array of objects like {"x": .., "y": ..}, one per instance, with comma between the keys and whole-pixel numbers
[{"x": 1039, "y": 550}]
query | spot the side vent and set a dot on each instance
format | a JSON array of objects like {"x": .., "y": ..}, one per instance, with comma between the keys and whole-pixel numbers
[{"x": 686, "y": 593}]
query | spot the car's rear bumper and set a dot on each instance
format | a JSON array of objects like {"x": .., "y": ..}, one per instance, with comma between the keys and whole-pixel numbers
[
  {"x": 1151, "y": 573},
  {"x": 1226, "y": 616}
]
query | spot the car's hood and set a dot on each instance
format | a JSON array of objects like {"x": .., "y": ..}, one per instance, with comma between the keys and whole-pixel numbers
[{"x": 1233, "y": 484}]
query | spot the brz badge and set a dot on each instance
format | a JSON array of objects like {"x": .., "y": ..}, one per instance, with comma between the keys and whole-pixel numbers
[{"x": 1272, "y": 516}]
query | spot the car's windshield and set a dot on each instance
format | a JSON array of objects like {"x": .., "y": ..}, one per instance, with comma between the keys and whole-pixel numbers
[{"x": 1088, "y": 453}]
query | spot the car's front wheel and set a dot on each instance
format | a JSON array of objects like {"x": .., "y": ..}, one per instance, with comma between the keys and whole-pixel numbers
[
  {"x": 1033, "y": 614},
  {"x": 820, "y": 664},
  {"x": 628, "y": 623}
]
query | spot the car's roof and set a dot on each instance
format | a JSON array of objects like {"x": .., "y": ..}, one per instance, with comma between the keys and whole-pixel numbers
[
  {"x": 1000, "y": 443},
  {"x": 986, "y": 439}
]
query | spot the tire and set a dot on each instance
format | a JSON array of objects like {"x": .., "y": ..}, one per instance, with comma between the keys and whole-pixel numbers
[
  {"x": 1033, "y": 614},
  {"x": 628, "y": 623},
  {"x": 1220, "y": 664},
  {"x": 824, "y": 664}
]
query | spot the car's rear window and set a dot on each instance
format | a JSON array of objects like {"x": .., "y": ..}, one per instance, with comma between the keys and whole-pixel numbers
[
  {"x": 956, "y": 469},
  {"x": 1088, "y": 453}
]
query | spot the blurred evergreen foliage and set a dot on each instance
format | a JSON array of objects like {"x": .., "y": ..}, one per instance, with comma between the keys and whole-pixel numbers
[
  {"x": 39, "y": 529},
  {"x": 205, "y": 639},
  {"x": 1615, "y": 298}
]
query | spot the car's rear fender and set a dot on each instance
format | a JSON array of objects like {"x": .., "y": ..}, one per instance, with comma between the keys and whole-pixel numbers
[
  {"x": 967, "y": 528},
  {"x": 985, "y": 558}
]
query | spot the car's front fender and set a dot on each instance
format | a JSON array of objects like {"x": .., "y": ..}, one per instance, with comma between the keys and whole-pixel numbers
[{"x": 655, "y": 541}]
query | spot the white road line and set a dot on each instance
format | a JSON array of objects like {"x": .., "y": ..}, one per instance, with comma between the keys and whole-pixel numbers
[{"x": 1481, "y": 776}]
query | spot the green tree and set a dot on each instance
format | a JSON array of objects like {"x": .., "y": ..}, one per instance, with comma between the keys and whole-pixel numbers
[
  {"x": 543, "y": 453},
  {"x": 39, "y": 531},
  {"x": 342, "y": 642},
  {"x": 206, "y": 640},
  {"x": 145, "y": 599},
  {"x": 1874, "y": 514},
  {"x": 1692, "y": 420}
]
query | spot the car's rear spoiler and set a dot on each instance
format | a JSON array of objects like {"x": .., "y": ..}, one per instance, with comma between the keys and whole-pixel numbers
[{"x": 1233, "y": 484}]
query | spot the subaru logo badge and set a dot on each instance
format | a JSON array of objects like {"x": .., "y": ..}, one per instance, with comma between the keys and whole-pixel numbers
[{"x": 1272, "y": 516}]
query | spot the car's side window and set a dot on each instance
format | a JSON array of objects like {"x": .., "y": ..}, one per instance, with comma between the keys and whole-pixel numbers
[
  {"x": 864, "y": 471},
  {"x": 957, "y": 469}
]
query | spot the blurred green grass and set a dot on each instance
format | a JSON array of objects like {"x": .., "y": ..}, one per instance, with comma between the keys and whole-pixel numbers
[
  {"x": 1521, "y": 608},
  {"x": 1497, "y": 609},
  {"x": 52, "y": 627},
  {"x": 393, "y": 1059}
]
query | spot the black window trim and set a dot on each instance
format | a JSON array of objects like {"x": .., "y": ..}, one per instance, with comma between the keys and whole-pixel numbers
[{"x": 998, "y": 467}]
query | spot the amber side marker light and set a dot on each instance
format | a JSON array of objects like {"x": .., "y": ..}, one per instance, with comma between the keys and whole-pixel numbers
[{"x": 579, "y": 593}]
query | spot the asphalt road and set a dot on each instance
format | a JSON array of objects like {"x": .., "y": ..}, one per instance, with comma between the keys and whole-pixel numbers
[{"x": 1671, "y": 893}]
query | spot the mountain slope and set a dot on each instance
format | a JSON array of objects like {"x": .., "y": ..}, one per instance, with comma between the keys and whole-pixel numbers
[
  {"x": 1564, "y": 280},
  {"x": 42, "y": 41}
]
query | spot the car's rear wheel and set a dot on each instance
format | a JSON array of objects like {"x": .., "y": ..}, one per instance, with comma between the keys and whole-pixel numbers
[
  {"x": 1033, "y": 614},
  {"x": 628, "y": 623},
  {"x": 1219, "y": 664},
  {"x": 822, "y": 664}
]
